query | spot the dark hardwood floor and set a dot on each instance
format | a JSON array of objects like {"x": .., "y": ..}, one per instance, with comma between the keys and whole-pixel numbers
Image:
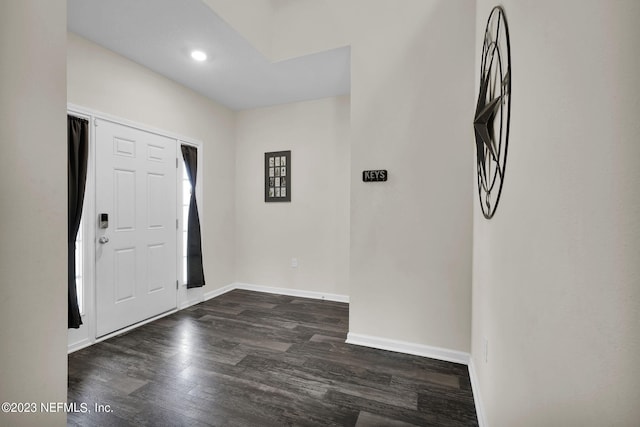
[{"x": 255, "y": 359}]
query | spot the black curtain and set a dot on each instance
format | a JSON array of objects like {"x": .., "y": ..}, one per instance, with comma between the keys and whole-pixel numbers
[
  {"x": 78, "y": 153},
  {"x": 195, "y": 271}
]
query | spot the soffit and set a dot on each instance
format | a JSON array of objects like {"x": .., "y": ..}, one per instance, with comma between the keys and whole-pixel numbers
[{"x": 160, "y": 34}]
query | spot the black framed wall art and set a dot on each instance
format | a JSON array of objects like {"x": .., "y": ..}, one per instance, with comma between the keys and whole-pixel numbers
[{"x": 277, "y": 176}]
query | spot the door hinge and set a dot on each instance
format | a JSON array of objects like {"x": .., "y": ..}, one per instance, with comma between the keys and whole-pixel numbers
[
  {"x": 176, "y": 284},
  {"x": 177, "y": 223},
  {"x": 176, "y": 163}
]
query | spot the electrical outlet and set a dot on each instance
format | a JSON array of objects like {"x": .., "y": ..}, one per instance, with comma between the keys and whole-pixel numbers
[
  {"x": 486, "y": 350},
  {"x": 294, "y": 262}
]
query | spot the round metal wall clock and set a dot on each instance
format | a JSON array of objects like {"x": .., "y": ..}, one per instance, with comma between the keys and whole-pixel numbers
[{"x": 491, "y": 121}]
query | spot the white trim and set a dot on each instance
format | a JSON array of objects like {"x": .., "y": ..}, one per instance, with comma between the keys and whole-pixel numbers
[
  {"x": 293, "y": 292},
  {"x": 477, "y": 399},
  {"x": 280, "y": 291},
  {"x": 86, "y": 342},
  {"x": 86, "y": 334},
  {"x": 409, "y": 348},
  {"x": 135, "y": 325},
  {"x": 189, "y": 303},
  {"x": 220, "y": 291},
  {"x": 94, "y": 114}
]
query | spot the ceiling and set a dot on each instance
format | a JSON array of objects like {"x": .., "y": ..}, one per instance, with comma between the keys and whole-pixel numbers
[{"x": 160, "y": 34}]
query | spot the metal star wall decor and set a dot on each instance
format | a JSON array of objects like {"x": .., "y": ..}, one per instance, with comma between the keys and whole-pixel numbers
[{"x": 491, "y": 121}]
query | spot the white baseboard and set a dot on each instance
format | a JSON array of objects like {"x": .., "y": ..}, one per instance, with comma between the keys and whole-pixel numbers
[
  {"x": 187, "y": 304},
  {"x": 135, "y": 325},
  {"x": 78, "y": 345},
  {"x": 219, "y": 291},
  {"x": 409, "y": 348},
  {"x": 293, "y": 292},
  {"x": 477, "y": 400}
]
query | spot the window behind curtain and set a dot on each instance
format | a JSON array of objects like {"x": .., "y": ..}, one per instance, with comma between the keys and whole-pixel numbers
[
  {"x": 80, "y": 266},
  {"x": 186, "y": 195}
]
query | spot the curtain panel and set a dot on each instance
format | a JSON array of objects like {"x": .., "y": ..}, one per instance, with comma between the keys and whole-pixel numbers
[
  {"x": 77, "y": 155},
  {"x": 195, "y": 270}
]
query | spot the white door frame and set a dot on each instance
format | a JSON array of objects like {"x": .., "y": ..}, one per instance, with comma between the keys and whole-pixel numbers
[{"x": 86, "y": 334}]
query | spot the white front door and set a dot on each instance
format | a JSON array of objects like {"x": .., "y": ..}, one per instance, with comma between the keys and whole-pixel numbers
[{"x": 136, "y": 245}]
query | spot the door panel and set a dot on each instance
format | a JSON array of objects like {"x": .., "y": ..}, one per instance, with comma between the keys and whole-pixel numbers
[
  {"x": 136, "y": 261},
  {"x": 125, "y": 270},
  {"x": 125, "y": 199}
]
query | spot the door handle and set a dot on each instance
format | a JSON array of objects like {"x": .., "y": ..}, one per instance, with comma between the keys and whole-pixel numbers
[{"x": 103, "y": 239}]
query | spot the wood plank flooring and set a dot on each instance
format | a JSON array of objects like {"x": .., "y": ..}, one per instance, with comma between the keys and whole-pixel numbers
[{"x": 255, "y": 359}]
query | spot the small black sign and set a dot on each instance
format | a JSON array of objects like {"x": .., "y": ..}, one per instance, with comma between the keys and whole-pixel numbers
[{"x": 375, "y": 175}]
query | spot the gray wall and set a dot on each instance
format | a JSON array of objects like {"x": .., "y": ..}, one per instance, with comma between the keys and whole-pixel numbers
[
  {"x": 33, "y": 208},
  {"x": 411, "y": 112},
  {"x": 314, "y": 226},
  {"x": 556, "y": 275},
  {"x": 412, "y": 71}
]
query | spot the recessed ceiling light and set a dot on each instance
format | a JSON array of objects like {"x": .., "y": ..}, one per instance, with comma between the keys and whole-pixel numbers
[{"x": 199, "y": 55}]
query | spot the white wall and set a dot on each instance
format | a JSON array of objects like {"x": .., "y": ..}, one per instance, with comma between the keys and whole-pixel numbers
[
  {"x": 104, "y": 81},
  {"x": 411, "y": 113},
  {"x": 283, "y": 29},
  {"x": 556, "y": 275},
  {"x": 33, "y": 208},
  {"x": 313, "y": 227},
  {"x": 318, "y": 25},
  {"x": 253, "y": 19}
]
